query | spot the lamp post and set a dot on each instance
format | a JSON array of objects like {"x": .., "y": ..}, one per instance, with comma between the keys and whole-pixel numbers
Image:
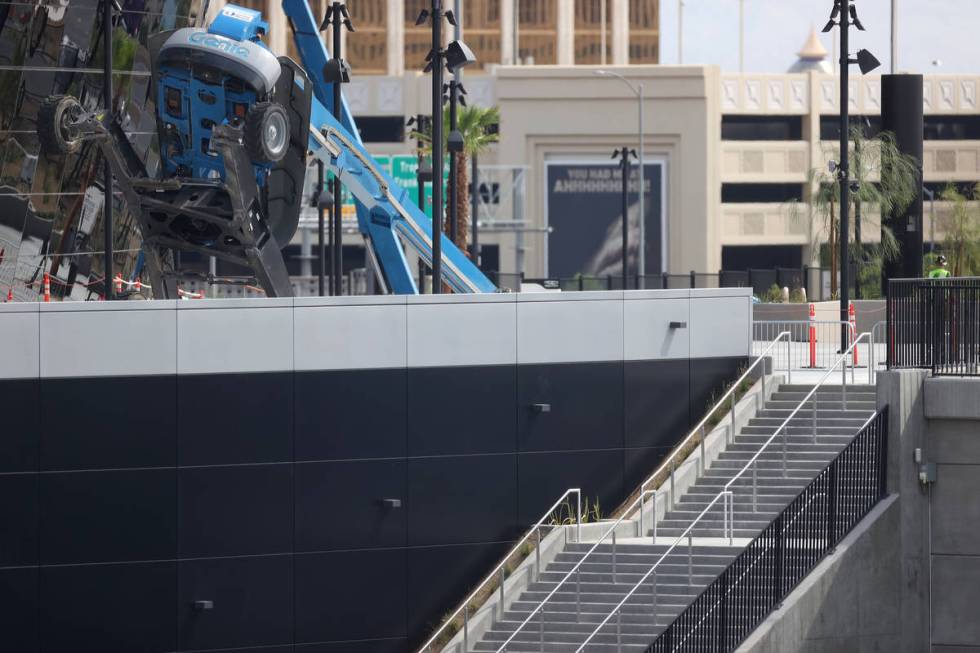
[
  {"x": 337, "y": 72},
  {"x": 623, "y": 154},
  {"x": 847, "y": 13},
  {"x": 642, "y": 257},
  {"x": 107, "y": 222},
  {"x": 453, "y": 57}
]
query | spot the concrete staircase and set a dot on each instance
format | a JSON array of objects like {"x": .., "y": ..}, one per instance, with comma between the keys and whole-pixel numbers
[{"x": 612, "y": 570}]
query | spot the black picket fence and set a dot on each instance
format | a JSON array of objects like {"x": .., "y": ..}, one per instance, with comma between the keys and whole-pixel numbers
[
  {"x": 935, "y": 324},
  {"x": 811, "y": 526},
  {"x": 760, "y": 280}
]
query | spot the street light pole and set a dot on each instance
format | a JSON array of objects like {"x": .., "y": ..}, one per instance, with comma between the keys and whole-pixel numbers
[
  {"x": 337, "y": 72},
  {"x": 641, "y": 257},
  {"x": 845, "y": 181},
  {"x": 437, "y": 204},
  {"x": 107, "y": 221},
  {"x": 624, "y": 154}
]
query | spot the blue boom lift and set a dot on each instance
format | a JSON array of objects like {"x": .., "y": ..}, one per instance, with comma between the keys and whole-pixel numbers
[{"x": 235, "y": 125}]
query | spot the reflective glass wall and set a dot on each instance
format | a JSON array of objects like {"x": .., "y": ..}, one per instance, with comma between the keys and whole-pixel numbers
[{"x": 51, "y": 205}]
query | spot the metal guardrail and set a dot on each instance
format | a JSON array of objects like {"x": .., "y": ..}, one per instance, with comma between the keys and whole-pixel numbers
[
  {"x": 815, "y": 343},
  {"x": 728, "y": 493},
  {"x": 810, "y": 527},
  {"x": 639, "y": 502},
  {"x": 499, "y": 573},
  {"x": 935, "y": 324}
]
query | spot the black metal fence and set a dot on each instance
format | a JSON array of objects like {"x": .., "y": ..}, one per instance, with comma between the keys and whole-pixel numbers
[
  {"x": 935, "y": 324},
  {"x": 760, "y": 280},
  {"x": 731, "y": 607}
]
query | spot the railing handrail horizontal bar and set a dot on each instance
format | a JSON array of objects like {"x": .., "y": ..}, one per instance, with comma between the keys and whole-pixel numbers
[
  {"x": 718, "y": 404},
  {"x": 496, "y": 570},
  {"x": 840, "y": 359}
]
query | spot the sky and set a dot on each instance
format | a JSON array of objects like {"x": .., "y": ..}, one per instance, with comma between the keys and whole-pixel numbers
[{"x": 775, "y": 30}]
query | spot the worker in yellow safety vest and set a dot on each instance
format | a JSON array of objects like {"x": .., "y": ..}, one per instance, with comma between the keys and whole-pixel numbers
[{"x": 940, "y": 271}]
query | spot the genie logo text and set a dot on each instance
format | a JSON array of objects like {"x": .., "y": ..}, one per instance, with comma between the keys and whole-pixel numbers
[{"x": 218, "y": 43}]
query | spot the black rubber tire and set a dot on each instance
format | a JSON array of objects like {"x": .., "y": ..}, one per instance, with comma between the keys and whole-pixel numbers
[
  {"x": 260, "y": 118},
  {"x": 51, "y": 118}
]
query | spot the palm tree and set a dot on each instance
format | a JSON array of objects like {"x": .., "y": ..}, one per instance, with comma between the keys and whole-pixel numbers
[
  {"x": 474, "y": 124},
  {"x": 897, "y": 189},
  {"x": 962, "y": 227}
]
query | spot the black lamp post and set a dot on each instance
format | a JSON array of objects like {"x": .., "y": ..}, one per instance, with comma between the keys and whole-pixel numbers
[
  {"x": 624, "y": 154},
  {"x": 847, "y": 15},
  {"x": 107, "y": 221},
  {"x": 455, "y": 56},
  {"x": 337, "y": 72}
]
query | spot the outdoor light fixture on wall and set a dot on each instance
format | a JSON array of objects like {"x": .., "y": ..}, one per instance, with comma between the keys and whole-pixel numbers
[
  {"x": 454, "y": 57},
  {"x": 844, "y": 14}
]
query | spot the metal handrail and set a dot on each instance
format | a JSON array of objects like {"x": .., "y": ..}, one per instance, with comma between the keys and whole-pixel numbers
[
  {"x": 840, "y": 359},
  {"x": 670, "y": 460},
  {"x": 464, "y": 605},
  {"x": 729, "y": 504},
  {"x": 639, "y": 501},
  {"x": 726, "y": 491}
]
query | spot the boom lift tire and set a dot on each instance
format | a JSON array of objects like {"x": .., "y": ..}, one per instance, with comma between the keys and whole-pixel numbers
[
  {"x": 267, "y": 132},
  {"x": 53, "y": 118}
]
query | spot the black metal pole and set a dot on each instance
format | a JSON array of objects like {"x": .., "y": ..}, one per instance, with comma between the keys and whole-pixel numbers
[
  {"x": 857, "y": 226},
  {"x": 107, "y": 221},
  {"x": 437, "y": 204},
  {"x": 844, "y": 171},
  {"x": 321, "y": 254},
  {"x": 475, "y": 211},
  {"x": 626, "y": 222},
  {"x": 453, "y": 172},
  {"x": 337, "y": 256},
  {"x": 421, "y": 181}
]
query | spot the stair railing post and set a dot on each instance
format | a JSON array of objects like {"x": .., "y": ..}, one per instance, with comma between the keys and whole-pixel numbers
[
  {"x": 703, "y": 461},
  {"x": 653, "y": 593},
  {"x": 614, "y": 556},
  {"x": 673, "y": 464},
  {"x": 789, "y": 362},
  {"x": 831, "y": 505},
  {"x": 619, "y": 629},
  {"x": 541, "y": 626},
  {"x": 815, "y": 417},
  {"x": 723, "y": 616},
  {"x": 537, "y": 554},
  {"x": 578, "y": 594},
  {"x": 578, "y": 521},
  {"x": 777, "y": 577},
  {"x": 732, "y": 432},
  {"x": 690, "y": 559},
  {"x": 762, "y": 395},
  {"x": 653, "y": 518},
  {"x": 643, "y": 494},
  {"x": 501, "y": 592},
  {"x": 785, "y": 438},
  {"x": 731, "y": 518},
  {"x": 843, "y": 384},
  {"x": 724, "y": 518},
  {"x": 755, "y": 483}
]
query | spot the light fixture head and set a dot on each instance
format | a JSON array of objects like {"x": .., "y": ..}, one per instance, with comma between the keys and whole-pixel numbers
[
  {"x": 831, "y": 24},
  {"x": 855, "y": 20},
  {"x": 451, "y": 17},
  {"x": 336, "y": 71},
  {"x": 458, "y": 55},
  {"x": 454, "y": 141},
  {"x": 835, "y": 12},
  {"x": 866, "y": 61},
  {"x": 423, "y": 16}
]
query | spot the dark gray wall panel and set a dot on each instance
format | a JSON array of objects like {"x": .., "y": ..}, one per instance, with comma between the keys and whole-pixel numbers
[
  {"x": 350, "y": 414},
  {"x": 21, "y": 425},
  {"x": 657, "y": 411},
  {"x": 108, "y": 516},
  {"x": 545, "y": 476},
  {"x": 710, "y": 377},
  {"x": 252, "y": 602},
  {"x": 19, "y": 609},
  {"x": 462, "y": 410},
  {"x": 125, "y": 608},
  {"x": 638, "y": 464},
  {"x": 106, "y": 422},
  {"x": 241, "y": 510},
  {"x": 372, "y": 646},
  {"x": 350, "y": 595},
  {"x": 586, "y": 401},
  {"x": 235, "y": 418},
  {"x": 461, "y": 499},
  {"x": 439, "y": 577},
  {"x": 339, "y": 505},
  {"x": 18, "y": 519}
]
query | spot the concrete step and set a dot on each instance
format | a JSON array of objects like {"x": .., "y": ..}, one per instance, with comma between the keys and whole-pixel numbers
[
  {"x": 860, "y": 402},
  {"x": 796, "y": 429},
  {"x": 774, "y": 451}
]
